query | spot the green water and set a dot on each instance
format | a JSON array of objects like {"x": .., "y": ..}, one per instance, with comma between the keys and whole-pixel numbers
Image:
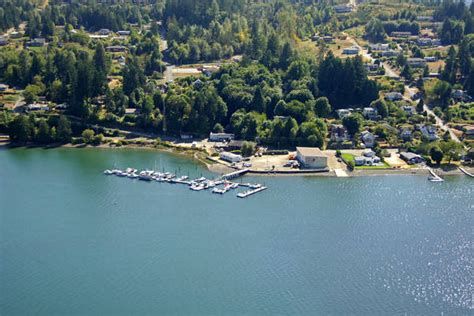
[{"x": 73, "y": 241}]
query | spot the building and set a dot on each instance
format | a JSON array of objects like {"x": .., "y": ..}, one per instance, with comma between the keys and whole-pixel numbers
[
  {"x": 311, "y": 157},
  {"x": 116, "y": 49},
  {"x": 343, "y": 8},
  {"x": 468, "y": 132},
  {"x": 400, "y": 34},
  {"x": 370, "y": 113},
  {"x": 230, "y": 157},
  {"x": 379, "y": 47},
  {"x": 104, "y": 32},
  {"x": 411, "y": 158},
  {"x": 406, "y": 134},
  {"x": 424, "y": 18},
  {"x": 416, "y": 62},
  {"x": 342, "y": 113},
  {"x": 328, "y": 39},
  {"x": 393, "y": 96},
  {"x": 338, "y": 133},
  {"x": 3, "y": 41},
  {"x": 3, "y": 87},
  {"x": 36, "y": 42},
  {"x": 220, "y": 137},
  {"x": 409, "y": 110},
  {"x": 460, "y": 96},
  {"x": 431, "y": 59},
  {"x": 368, "y": 139},
  {"x": 123, "y": 33},
  {"x": 354, "y": 50},
  {"x": 429, "y": 132},
  {"x": 389, "y": 53}
]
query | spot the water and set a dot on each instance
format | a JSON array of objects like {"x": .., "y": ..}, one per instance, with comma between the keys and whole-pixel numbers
[{"x": 73, "y": 241}]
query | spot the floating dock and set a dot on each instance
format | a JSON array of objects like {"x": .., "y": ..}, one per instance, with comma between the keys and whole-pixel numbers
[
  {"x": 235, "y": 174},
  {"x": 467, "y": 173},
  {"x": 250, "y": 192}
]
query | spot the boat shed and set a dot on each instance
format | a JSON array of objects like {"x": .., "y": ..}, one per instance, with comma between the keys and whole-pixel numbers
[{"x": 311, "y": 157}]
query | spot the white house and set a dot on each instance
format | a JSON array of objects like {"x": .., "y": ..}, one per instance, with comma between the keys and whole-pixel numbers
[
  {"x": 230, "y": 157},
  {"x": 220, "y": 137},
  {"x": 370, "y": 113},
  {"x": 342, "y": 113},
  {"x": 311, "y": 157}
]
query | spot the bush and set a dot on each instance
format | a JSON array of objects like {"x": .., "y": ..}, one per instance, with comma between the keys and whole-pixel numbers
[
  {"x": 87, "y": 136},
  {"x": 350, "y": 165},
  {"x": 98, "y": 139},
  {"x": 338, "y": 153}
]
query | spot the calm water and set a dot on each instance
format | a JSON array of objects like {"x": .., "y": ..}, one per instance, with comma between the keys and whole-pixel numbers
[{"x": 73, "y": 241}]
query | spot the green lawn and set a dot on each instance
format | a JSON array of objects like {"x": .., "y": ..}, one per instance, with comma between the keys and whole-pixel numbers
[{"x": 350, "y": 157}]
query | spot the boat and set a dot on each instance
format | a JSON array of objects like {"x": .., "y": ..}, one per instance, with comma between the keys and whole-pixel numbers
[
  {"x": 132, "y": 175},
  {"x": 435, "y": 179},
  {"x": 108, "y": 172},
  {"x": 219, "y": 191}
]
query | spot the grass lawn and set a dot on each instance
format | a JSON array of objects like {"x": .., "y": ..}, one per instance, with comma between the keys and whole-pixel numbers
[{"x": 350, "y": 157}]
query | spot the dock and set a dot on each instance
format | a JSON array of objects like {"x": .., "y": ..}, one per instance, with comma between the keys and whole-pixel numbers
[
  {"x": 234, "y": 174},
  {"x": 467, "y": 173},
  {"x": 219, "y": 185},
  {"x": 434, "y": 177},
  {"x": 250, "y": 192}
]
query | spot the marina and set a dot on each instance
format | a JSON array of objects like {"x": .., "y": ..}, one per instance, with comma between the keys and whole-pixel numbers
[{"x": 220, "y": 185}]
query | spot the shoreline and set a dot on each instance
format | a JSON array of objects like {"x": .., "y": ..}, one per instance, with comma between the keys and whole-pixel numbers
[{"x": 219, "y": 168}]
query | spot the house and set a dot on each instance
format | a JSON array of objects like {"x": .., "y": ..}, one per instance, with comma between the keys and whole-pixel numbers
[
  {"x": 393, "y": 96},
  {"x": 338, "y": 133},
  {"x": 131, "y": 111},
  {"x": 372, "y": 67},
  {"x": 328, "y": 39},
  {"x": 343, "y": 8},
  {"x": 354, "y": 50},
  {"x": 429, "y": 131},
  {"x": 424, "y": 42},
  {"x": 123, "y": 33},
  {"x": 220, "y": 137},
  {"x": 368, "y": 139},
  {"x": 342, "y": 113},
  {"x": 416, "y": 62},
  {"x": 406, "y": 134},
  {"x": 116, "y": 49},
  {"x": 184, "y": 136},
  {"x": 62, "y": 106},
  {"x": 311, "y": 157},
  {"x": 3, "y": 87},
  {"x": 36, "y": 42},
  {"x": 368, "y": 158},
  {"x": 460, "y": 96},
  {"x": 469, "y": 132},
  {"x": 411, "y": 158},
  {"x": 400, "y": 34},
  {"x": 424, "y": 18},
  {"x": 234, "y": 145},
  {"x": 409, "y": 110},
  {"x": 104, "y": 32},
  {"x": 389, "y": 53},
  {"x": 3, "y": 41},
  {"x": 370, "y": 113},
  {"x": 16, "y": 35},
  {"x": 431, "y": 59},
  {"x": 230, "y": 157},
  {"x": 37, "y": 107},
  {"x": 379, "y": 47}
]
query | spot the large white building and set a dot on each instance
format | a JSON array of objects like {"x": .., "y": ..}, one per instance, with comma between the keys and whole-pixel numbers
[
  {"x": 311, "y": 157},
  {"x": 230, "y": 157}
]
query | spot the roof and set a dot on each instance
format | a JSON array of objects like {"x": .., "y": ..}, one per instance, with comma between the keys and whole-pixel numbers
[
  {"x": 409, "y": 156},
  {"x": 310, "y": 151}
]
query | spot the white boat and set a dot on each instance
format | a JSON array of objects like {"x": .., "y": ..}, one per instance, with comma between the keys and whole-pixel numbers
[
  {"x": 108, "y": 172},
  {"x": 133, "y": 175},
  {"x": 435, "y": 179}
]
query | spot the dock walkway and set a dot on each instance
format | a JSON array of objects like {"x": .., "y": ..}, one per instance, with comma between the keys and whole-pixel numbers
[{"x": 467, "y": 173}]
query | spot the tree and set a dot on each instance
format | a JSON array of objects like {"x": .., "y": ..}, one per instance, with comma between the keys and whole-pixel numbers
[
  {"x": 375, "y": 31},
  {"x": 436, "y": 154},
  {"x": 258, "y": 102},
  {"x": 322, "y": 107},
  {"x": 449, "y": 72},
  {"x": 381, "y": 107},
  {"x": 88, "y": 136},
  {"x": 420, "y": 106},
  {"x": 218, "y": 128},
  {"x": 64, "y": 131},
  {"x": 21, "y": 129},
  {"x": 353, "y": 123},
  {"x": 451, "y": 150},
  {"x": 43, "y": 135},
  {"x": 247, "y": 149},
  {"x": 31, "y": 93}
]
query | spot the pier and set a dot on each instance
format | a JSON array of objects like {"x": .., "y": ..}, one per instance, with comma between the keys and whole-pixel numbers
[
  {"x": 434, "y": 177},
  {"x": 467, "y": 173},
  {"x": 234, "y": 174}
]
